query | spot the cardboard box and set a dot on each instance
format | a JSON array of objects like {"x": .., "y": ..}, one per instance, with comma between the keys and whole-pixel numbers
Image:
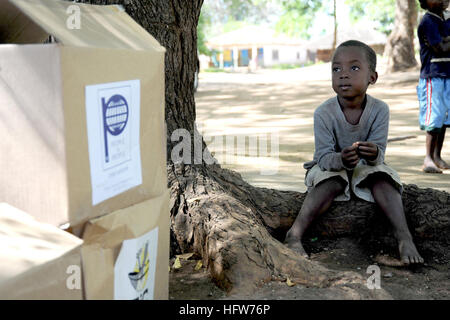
[
  {"x": 38, "y": 261},
  {"x": 123, "y": 255},
  {"x": 81, "y": 120},
  {"x": 126, "y": 253}
]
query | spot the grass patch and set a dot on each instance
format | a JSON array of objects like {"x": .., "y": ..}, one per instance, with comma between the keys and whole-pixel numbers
[
  {"x": 288, "y": 66},
  {"x": 215, "y": 70}
]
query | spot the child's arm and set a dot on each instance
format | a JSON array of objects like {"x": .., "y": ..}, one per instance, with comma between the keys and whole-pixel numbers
[
  {"x": 373, "y": 149},
  {"x": 442, "y": 47},
  {"x": 325, "y": 144},
  {"x": 438, "y": 44}
]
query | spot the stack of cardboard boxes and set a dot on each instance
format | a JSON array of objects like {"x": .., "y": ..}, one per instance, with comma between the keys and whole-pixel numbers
[{"x": 83, "y": 145}]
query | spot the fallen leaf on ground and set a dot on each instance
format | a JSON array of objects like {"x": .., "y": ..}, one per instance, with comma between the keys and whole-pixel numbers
[
  {"x": 177, "y": 263},
  {"x": 289, "y": 282},
  {"x": 199, "y": 265}
]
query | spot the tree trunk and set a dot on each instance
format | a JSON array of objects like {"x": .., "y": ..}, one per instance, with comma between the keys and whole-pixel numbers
[
  {"x": 400, "y": 43},
  {"x": 333, "y": 47},
  {"x": 236, "y": 228}
]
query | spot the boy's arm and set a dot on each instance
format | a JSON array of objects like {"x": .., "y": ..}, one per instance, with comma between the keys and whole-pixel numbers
[
  {"x": 325, "y": 141},
  {"x": 441, "y": 47},
  {"x": 438, "y": 44},
  {"x": 378, "y": 134}
]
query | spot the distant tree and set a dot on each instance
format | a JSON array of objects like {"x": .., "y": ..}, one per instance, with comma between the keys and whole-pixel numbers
[
  {"x": 400, "y": 44},
  {"x": 382, "y": 12},
  {"x": 220, "y": 16},
  {"x": 335, "y": 26},
  {"x": 297, "y": 16},
  {"x": 251, "y": 11},
  {"x": 204, "y": 22}
]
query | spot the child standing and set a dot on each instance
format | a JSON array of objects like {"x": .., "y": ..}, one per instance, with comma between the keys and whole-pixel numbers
[
  {"x": 350, "y": 133},
  {"x": 433, "y": 90}
]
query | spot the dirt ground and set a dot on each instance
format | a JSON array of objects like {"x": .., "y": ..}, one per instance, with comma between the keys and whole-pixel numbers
[
  {"x": 282, "y": 103},
  {"x": 428, "y": 282}
]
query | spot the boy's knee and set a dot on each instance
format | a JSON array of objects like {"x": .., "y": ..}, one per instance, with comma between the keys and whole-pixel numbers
[
  {"x": 334, "y": 185},
  {"x": 378, "y": 179}
]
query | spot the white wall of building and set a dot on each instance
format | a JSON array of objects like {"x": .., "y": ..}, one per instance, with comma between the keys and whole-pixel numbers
[{"x": 286, "y": 55}]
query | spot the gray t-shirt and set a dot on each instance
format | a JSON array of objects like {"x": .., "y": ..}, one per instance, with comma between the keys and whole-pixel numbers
[{"x": 332, "y": 133}]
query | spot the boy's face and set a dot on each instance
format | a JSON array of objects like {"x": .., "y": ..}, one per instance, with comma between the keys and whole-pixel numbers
[
  {"x": 437, "y": 5},
  {"x": 351, "y": 74}
]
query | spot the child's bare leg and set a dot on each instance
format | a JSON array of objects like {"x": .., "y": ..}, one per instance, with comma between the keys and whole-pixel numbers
[
  {"x": 317, "y": 201},
  {"x": 437, "y": 151},
  {"x": 429, "y": 166},
  {"x": 390, "y": 201}
]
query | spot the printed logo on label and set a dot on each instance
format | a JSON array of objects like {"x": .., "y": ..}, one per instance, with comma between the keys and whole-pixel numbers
[
  {"x": 115, "y": 111},
  {"x": 139, "y": 275},
  {"x": 135, "y": 267},
  {"x": 113, "y": 122},
  {"x": 115, "y": 118}
]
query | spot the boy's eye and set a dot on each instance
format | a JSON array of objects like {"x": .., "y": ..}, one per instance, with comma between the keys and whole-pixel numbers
[
  {"x": 336, "y": 69},
  {"x": 355, "y": 68}
]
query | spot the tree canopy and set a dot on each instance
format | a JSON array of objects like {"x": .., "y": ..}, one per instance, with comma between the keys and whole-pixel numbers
[
  {"x": 293, "y": 17},
  {"x": 382, "y": 12}
]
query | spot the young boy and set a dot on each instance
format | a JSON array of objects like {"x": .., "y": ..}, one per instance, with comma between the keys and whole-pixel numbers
[
  {"x": 350, "y": 133},
  {"x": 433, "y": 90}
]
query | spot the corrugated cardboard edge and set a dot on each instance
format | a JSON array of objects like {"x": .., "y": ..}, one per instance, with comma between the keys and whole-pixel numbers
[{"x": 102, "y": 243}]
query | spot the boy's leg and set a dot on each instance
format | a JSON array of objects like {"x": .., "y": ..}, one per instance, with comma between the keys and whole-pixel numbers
[
  {"x": 437, "y": 151},
  {"x": 389, "y": 200},
  {"x": 317, "y": 201},
  {"x": 432, "y": 117},
  {"x": 445, "y": 101},
  {"x": 431, "y": 143}
]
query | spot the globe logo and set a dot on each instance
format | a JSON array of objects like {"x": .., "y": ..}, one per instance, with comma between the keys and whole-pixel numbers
[{"x": 115, "y": 118}]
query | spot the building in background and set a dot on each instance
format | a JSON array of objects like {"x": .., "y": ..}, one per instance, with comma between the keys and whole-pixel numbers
[
  {"x": 256, "y": 46},
  {"x": 323, "y": 46}
]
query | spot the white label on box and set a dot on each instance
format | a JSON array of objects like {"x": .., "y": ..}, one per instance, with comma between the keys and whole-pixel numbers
[
  {"x": 134, "y": 271},
  {"x": 113, "y": 125}
]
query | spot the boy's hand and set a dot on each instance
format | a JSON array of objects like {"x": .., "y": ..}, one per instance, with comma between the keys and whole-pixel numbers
[
  {"x": 367, "y": 150},
  {"x": 350, "y": 157}
]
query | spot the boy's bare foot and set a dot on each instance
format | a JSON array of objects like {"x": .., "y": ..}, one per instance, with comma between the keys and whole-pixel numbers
[
  {"x": 441, "y": 164},
  {"x": 408, "y": 252},
  {"x": 297, "y": 246},
  {"x": 430, "y": 167}
]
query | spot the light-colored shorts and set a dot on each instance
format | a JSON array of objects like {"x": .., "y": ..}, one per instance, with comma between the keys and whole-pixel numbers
[
  {"x": 434, "y": 103},
  {"x": 355, "y": 179}
]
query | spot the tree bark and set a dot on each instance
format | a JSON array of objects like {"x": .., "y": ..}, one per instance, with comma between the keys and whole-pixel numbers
[
  {"x": 400, "y": 43},
  {"x": 236, "y": 228},
  {"x": 333, "y": 47}
]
